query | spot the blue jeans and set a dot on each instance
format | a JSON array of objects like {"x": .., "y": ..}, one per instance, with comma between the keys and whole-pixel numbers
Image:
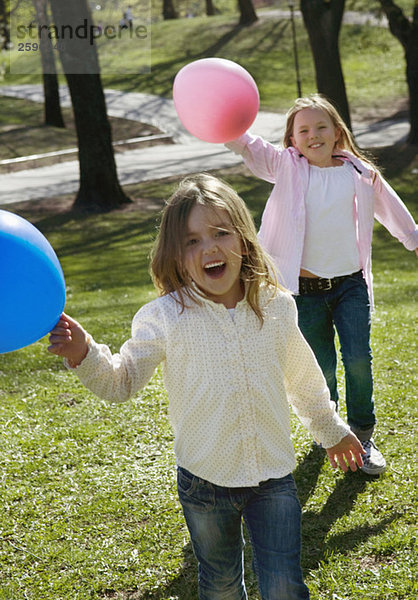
[
  {"x": 345, "y": 309},
  {"x": 272, "y": 515}
]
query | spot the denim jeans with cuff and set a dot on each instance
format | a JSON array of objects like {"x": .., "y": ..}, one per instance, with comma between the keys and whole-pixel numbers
[{"x": 272, "y": 514}]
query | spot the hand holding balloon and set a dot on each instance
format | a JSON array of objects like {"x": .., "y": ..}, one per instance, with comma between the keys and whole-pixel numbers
[
  {"x": 70, "y": 340},
  {"x": 216, "y": 99}
]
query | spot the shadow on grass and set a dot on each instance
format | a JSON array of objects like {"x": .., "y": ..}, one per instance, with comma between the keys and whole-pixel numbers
[
  {"x": 315, "y": 529},
  {"x": 394, "y": 160},
  {"x": 317, "y": 525},
  {"x": 163, "y": 73},
  {"x": 184, "y": 586}
]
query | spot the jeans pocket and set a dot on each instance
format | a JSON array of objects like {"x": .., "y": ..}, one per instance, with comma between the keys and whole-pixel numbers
[
  {"x": 276, "y": 486},
  {"x": 358, "y": 278},
  {"x": 185, "y": 480},
  {"x": 195, "y": 493}
]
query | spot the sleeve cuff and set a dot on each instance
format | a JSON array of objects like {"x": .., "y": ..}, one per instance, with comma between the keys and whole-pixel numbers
[
  {"x": 238, "y": 145},
  {"x": 411, "y": 242},
  {"x": 90, "y": 344}
]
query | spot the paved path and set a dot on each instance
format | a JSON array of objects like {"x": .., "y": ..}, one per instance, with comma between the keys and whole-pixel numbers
[
  {"x": 350, "y": 17},
  {"x": 187, "y": 155}
]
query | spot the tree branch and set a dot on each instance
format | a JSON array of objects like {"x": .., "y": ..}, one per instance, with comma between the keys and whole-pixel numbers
[{"x": 399, "y": 25}]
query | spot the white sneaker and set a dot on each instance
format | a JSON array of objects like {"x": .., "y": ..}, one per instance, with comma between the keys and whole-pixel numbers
[{"x": 373, "y": 461}]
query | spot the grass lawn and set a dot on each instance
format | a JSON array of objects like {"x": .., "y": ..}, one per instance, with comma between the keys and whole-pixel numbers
[
  {"x": 89, "y": 507},
  {"x": 372, "y": 59}
]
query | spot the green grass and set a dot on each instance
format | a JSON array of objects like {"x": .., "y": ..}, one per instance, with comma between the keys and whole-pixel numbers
[
  {"x": 372, "y": 59},
  {"x": 265, "y": 51},
  {"x": 89, "y": 507}
]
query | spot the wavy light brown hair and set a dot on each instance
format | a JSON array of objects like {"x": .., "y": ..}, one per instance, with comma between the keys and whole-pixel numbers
[
  {"x": 167, "y": 257},
  {"x": 345, "y": 140}
]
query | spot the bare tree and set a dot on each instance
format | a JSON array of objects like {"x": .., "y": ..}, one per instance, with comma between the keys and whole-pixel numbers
[
  {"x": 4, "y": 25},
  {"x": 406, "y": 31},
  {"x": 323, "y": 19},
  {"x": 99, "y": 184},
  {"x": 169, "y": 11},
  {"x": 52, "y": 106},
  {"x": 210, "y": 8},
  {"x": 247, "y": 12}
]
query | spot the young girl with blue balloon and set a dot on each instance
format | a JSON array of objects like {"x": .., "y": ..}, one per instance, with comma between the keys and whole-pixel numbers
[
  {"x": 318, "y": 225},
  {"x": 233, "y": 358}
]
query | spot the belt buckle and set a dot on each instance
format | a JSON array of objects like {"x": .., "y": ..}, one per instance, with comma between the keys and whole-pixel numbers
[{"x": 327, "y": 284}]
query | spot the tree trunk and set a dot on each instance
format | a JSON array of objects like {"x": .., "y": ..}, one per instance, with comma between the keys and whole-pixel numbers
[
  {"x": 210, "y": 9},
  {"x": 323, "y": 20},
  {"x": 52, "y": 108},
  {"x": 4, "y": 26},
  {"x": 169, "y": 12},
  {"x": 99, "y": 185},
  {"x": 407, "y": 33},
  {"x": 247, "y": 12}
]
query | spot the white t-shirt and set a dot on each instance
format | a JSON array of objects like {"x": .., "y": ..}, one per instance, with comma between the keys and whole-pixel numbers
[{"x": 330, "y": 247}]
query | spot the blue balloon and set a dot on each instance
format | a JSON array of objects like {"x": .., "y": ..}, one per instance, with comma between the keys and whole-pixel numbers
[{"x": 32, "y": 285}]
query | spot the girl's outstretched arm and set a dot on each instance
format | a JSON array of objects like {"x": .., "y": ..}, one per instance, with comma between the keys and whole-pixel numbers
[
  {"x": 114, "y": 377},
  {"x": 392, "y": 213},
  {"x": 347, "y": 453},
  {"x": 261, "y": 157},
  {"x": 68, "y": 339}
]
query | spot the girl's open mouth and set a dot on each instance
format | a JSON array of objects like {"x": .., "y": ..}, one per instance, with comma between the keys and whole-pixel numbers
[{"x": 215, "y": 269}]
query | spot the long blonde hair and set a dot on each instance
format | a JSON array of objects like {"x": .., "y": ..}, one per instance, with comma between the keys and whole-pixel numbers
[
  {"x": 167, "y": 257},
  {"x": 345, "y": 140}
]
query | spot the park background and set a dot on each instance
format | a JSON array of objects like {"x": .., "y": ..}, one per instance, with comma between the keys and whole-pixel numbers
[{"x": 89, "y": 505}]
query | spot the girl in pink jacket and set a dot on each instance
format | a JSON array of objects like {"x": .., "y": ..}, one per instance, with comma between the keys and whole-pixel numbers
[{"x": 318, "y": 225}]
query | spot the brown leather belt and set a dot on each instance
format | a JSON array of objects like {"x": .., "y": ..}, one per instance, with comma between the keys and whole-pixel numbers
[{"x": 321, "y": 285}]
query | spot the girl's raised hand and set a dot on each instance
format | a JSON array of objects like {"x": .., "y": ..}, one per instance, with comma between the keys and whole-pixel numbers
[
  {"x": 68, "y": 339},
  {"x": 347, "y": 453}
]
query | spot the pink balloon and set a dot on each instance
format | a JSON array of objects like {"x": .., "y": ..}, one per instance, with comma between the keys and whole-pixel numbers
[{"x": 216, "y": 99}]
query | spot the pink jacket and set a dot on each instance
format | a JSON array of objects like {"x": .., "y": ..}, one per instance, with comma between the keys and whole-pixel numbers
[{"x": 282, "y": 230}]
